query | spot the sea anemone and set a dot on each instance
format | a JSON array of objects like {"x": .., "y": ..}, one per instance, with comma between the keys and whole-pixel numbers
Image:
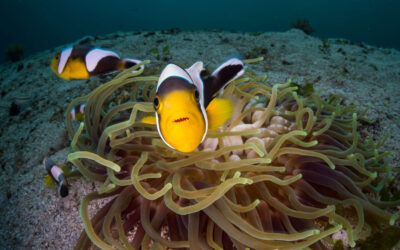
[{"x": 286, "y": 171}]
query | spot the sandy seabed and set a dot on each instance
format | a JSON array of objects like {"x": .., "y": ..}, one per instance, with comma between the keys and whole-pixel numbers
[{"x": 34, "y": 217}]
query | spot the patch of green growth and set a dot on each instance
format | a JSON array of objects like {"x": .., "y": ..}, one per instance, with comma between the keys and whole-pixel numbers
[
  {"x": 166, "y": 49},
  {"x": 338, "y": 245},
  {"x": 385, "y": 239},
  {"x": 304, "y": 90},
  {"x": 154, "y": 50},
  {"x": 341, "y": 41},
  {"x": 325, "y": 46},
  {"x": 163, "y": 54},
  {"x": 256, "y": 33}
]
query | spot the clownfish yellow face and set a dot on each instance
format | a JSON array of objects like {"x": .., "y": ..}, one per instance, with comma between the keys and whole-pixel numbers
[
  {"x": 68, "y": 65},
  {"x": 186, "y": 107},
  {"x": 180, "y": 118}
]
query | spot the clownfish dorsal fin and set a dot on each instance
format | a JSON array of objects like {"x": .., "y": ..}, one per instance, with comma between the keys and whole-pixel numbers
[
  {"x": 218, "y": 112},
  {"x": 224, "y": 74}
]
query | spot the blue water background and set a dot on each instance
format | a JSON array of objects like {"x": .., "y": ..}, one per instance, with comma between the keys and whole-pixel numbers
[{"x": 44, "y": 24}]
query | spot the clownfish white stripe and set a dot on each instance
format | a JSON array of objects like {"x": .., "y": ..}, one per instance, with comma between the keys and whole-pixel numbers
[
  {"x": 73, "y": 113},
  {"x": 173, "y": 70},
  {"x": 65, "y": 53},
  {"x": 56, "y": 172},
  {"x": 82, "y": 108},
  {"x": 95, "y": 55},
  {"x": 195, "y": 71}
]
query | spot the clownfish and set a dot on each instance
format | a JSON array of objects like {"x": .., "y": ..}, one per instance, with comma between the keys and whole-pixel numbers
[
  {"x": 55, "y": 174},
  {"x": 83, "y": 61},
  {"x": 77, "y": 112},
  {"x": 185, "y": 104}
]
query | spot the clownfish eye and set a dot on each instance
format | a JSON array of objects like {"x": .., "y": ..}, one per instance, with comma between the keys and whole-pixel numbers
[
  {"x": 156, "y": 103},
  {"x": 57, "y": 56},
  {"x": 196, "y": 94}
]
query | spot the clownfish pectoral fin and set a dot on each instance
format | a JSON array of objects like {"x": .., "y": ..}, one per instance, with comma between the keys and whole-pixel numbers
[
  {"x": 218, "y": 112},
  {"x": 149, "y": 120},
  {"x": 224, "y": 74},
  {"x": 48, "y": 181}
]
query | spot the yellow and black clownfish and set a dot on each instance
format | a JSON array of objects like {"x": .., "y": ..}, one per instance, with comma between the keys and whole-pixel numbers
[
  {"x": 83, "y": 61},
  {"x": 55, "y": 174},
  {"x": 78, "y": 112},
  {"x": 186, "y": 106}
]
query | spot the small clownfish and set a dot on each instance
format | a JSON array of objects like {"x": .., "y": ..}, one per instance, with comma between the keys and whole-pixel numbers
[
  {"x": 83, "y": 61},
  {"x": 186, "y": 106},
  {"x": 55, "y": 174},
  {"x": 77, "y": 112}
]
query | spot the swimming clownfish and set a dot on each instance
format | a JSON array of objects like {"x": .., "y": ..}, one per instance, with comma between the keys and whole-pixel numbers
[
  {"x": 83, "y": 61},
  {"x": 57, "y": 175},
  {"x": 186, "y": 106},
  {"x": 77, "y": 112}
]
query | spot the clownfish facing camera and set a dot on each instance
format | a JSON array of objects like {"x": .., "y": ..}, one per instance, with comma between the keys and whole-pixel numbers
[
  {"x": 186, "y": 106},
  {"x": 83, "y": 61},
  {"x": 78, "y": 112}
]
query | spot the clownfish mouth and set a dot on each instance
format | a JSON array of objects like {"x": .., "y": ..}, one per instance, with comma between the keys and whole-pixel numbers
[{"x": 182, "y": 119}]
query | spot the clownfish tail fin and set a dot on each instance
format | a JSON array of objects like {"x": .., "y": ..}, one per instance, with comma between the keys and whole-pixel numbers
[
  {"x": 127, "y": 63},
  {"x": 224, "y": 74}
]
